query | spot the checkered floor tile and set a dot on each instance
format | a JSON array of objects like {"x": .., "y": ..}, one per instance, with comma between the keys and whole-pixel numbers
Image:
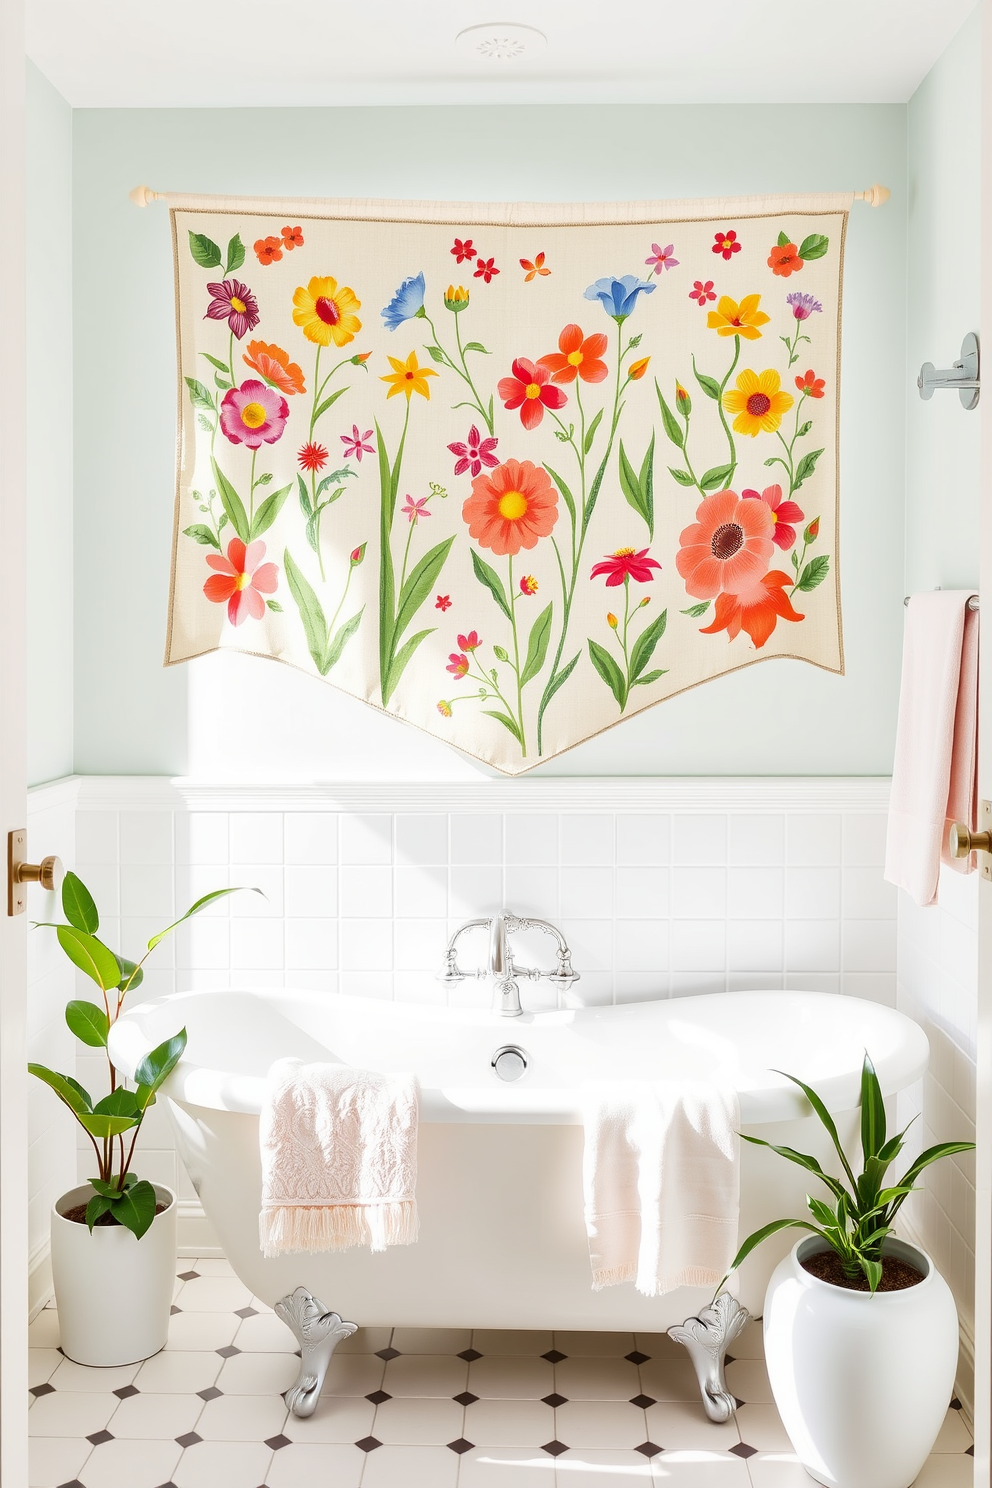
[{"x": 407, "y": 1408}]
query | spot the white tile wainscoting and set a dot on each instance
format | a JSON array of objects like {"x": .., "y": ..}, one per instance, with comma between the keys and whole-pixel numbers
[{"x": 663, "y": 887}]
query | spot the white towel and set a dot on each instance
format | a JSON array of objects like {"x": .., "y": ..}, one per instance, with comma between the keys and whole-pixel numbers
[
  {"x": 933, "y": 774},
  {"x": 661, "y": 1174},
  {"x": 339, "y": 1158}
]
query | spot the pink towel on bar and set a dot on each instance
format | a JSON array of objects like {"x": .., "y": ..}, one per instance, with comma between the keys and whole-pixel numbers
[{"x": 934, "y": 773}]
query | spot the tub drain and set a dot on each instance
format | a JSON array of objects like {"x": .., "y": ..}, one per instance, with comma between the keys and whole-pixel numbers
[{"x": 509, "y": 1063}]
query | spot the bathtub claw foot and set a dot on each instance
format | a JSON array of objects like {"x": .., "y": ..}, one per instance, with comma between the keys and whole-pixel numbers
[
  {"x": 318, "y": 1332},
  {"x": 707, "y": 1338}
]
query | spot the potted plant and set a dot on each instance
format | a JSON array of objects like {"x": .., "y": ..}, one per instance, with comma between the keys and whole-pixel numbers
[
  {"x": 113, "y": 1238},
  {"x": 860, "y": 1329}
]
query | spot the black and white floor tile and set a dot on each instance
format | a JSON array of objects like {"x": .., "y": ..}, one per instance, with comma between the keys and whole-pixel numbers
[{"x": 407, "y": 1408}]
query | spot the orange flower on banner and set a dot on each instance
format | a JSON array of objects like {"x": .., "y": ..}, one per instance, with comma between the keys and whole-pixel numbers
[
  {"x": 292, "y": 237},
  {"x": 727, "y": 547},
  {"x": 784, "y": 260},
  {"x": 268, "y": 250},
  {"x": 511, "y": 507},
  {"x": 757, "y": 608},
  {"x": 535, "y": 268},
  {"x": 577, "y": 356},
  {"x": 274, "y": 365}
]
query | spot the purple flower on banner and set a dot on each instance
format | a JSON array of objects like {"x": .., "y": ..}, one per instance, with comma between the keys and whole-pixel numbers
[
  {"x": 234, "y": 302},
  {"x": 803, "y": 305}
]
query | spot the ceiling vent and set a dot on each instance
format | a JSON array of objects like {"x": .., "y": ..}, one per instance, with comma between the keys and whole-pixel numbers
[{"x": 497, "y": 42}]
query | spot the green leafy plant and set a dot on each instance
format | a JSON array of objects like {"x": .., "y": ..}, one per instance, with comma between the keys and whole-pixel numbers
[
  {"x": 112, "y": 1123},
  {"x": 857, "y": 1219}
]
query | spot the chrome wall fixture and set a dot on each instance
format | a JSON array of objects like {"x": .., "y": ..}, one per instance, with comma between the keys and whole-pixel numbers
[{"x": 964, "y": 375}]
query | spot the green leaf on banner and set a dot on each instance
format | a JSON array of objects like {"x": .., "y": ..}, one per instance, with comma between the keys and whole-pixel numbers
[
  {"x": 609, "y": 671},
  {"x": 806, "y": 467},
  {"x": 649, "y": 677},
  {"x": 709, "y": 385},
  {"x": 435, "y": 353},
  {"x": 537, "y": 646},
  {"x": 268, "y": 511},
  {"x": 201, "y": 535},
  {"x": 717, "y": 478},
  {"x": 305, "y": 506},
  {"x": 341, "y": 637},
  {"x": 419, "y": 585},
  {"x": 492, "y": 581},
  {"x": 563, "y": 488},
  {"x": 815, "y": 246},
  {"x": 591, "y": 432},
  {"x": 328, "y": 402},
  {"x": 694, "y": 611},
  {"x": 205, "y": 252},
  {"x": 645, "y": 644},
  {"x": 682, "y": 476},
  {"x": 506, "y": 721},
  {"x": 400, "y": 661},
  {"x": 814, "y": 573},
  {"x": 231, "y": 502},
  {"x": 311, "y": 611},
  {"x": 672, "y": 426},
  {"x": 216, "y": 362},
  {"x": 477, "y": 346},
  {"x": 235, "y": 254},
  {"x": 783, "y": 239},
  {"x": 201, "y": 396}
]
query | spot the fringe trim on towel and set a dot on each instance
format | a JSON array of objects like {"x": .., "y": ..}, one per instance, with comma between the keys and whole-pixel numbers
[
  {"x": 692, "y": 1276},
  {"x": 313, "y": 1228}
]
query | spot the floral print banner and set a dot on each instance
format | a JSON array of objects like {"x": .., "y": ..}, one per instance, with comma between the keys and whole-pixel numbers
[{"x": 510, "y": 474}]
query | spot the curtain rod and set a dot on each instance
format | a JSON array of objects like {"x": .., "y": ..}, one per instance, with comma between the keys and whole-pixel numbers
[{"x": 875, "y": 196}]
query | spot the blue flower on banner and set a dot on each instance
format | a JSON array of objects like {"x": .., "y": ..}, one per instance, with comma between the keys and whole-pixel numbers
[
  {"x": 407, "y": 302},
  {"x": 619, "y": 296}
]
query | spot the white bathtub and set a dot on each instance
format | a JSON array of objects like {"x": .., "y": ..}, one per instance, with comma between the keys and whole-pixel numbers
[{"x": 502, "y": 1242}]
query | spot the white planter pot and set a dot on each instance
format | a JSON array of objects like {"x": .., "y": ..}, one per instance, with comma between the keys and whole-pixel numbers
[
  {"x": 113, "y": 1292},
  {"x": 861, "y": 1382}
]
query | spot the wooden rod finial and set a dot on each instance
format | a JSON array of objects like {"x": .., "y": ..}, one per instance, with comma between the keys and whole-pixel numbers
[
  {"x": 875, "y": 196},
  {"x": 142, "y": 196}
]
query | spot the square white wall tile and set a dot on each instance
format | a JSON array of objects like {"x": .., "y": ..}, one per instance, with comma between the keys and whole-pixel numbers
[
  {"x": 476, "y": 839},
  {"x": 530, "y": 838},
  {"x": 588, "y": 840},
  {"x": 645, "y": 838}
]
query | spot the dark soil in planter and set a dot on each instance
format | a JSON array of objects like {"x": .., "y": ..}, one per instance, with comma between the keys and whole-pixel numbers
[
  {"x": 897, "y": 1275},
  {"x": 78, "y": 1214}
]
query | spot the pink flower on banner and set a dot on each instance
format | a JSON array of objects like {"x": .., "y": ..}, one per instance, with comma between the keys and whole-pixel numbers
[
  {"x": 355, "y": 444},
  {"x": 240, "y": 580},
  {"x": 474, "y": 453},
  {"x": 414, "y": 510},
  {"x": 661, "y": 258},
  {"x": 458, "y": 666},
  {"x": 253, "y": 414},
  {"x": 702, "y": 291},
  {"x": 470, "y": 642}
]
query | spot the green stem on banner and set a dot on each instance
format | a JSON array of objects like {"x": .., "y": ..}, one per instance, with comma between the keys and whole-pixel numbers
[
  {"x": 516, "y": 658},
  {"x": 723, "y": 416},
  {"x": 251, "y": 492},
  {"x": 334, "y": 619},
  {"x": 462, "y": 371}
]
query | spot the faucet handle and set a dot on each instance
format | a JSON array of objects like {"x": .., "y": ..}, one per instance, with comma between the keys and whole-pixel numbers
[
  {"x": 564, "y": 976},
  {"x": 451, "y": 971}
]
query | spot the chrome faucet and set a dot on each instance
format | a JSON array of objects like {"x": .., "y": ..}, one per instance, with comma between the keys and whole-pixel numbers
[{"x": 501, "y": 966}]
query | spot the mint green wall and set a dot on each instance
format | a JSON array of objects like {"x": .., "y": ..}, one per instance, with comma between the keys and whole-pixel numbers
[
  {"x": 237, "y": 716},
  {"x": 49, "y": 430},
  {"x": 943, "y": 295}
]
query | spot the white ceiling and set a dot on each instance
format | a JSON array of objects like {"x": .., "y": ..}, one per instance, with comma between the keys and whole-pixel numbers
[{"x": 258, "y": 53}]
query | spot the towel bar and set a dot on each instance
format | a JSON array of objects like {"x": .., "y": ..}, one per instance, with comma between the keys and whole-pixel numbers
[{"x": 972, "y": 602}]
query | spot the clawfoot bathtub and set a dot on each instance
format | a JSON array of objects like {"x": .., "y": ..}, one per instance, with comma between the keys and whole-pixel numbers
[{"x": 502, "y": 1241}]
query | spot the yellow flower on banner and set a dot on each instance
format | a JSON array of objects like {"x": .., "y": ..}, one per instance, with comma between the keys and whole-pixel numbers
[
  {"x": 731, "y": 319},
  {"x": 758, "y": 402},
  {"x": 325, "y": 313},
  {"x": 407, "y": 377}
]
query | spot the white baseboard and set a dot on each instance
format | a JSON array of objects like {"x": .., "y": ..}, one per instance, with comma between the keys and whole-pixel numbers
[
  {"x": 196, "y": 1235},
  {"x": 39, "y": 1278}
]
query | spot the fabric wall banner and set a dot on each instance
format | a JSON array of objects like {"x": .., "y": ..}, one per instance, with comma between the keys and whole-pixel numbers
[{"x": 511, "y": 473}]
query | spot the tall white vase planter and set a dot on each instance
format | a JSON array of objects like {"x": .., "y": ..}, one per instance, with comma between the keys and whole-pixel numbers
[
  {"x": 861, "y": 1382},
  {"x": 113, "y": 1292}
]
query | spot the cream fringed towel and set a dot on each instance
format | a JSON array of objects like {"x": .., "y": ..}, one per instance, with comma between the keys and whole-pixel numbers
[
  {"x": 339, "y": 1158},
  {"x": 661, "y": 1177}
]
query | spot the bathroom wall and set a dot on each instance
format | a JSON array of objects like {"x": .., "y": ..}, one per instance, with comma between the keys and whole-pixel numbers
[
  {"x": 49, "y": 430},
  {"x": 784, "y": 718},
  {"x": 938, "y": 947}
]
